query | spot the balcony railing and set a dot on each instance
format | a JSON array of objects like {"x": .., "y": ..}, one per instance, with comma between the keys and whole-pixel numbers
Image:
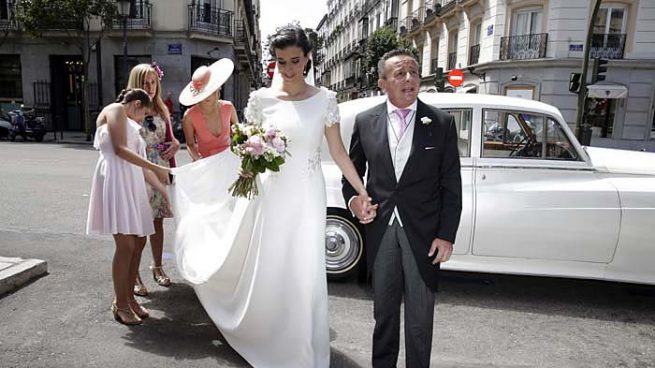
[
  {"x": 240, "y": 34},
  {"x": 140, "y": 16},
  {"x": 405, "y": 25},
  {"x": 530, "y": 46},
  {"x": 434, "y": 64},
  {"x": 392, "y": 23},
  {"x": 607, "y": 46},
  {"x": 418, "y": 16},
  {"x": 474, "y": 54},
  {"x": 210, "y": 20},
  {"x": 63, "y": 25},
  {"x": 452, "y": 60}
]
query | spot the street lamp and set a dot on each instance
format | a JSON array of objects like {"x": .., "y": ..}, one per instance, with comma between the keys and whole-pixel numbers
[{"x": 124, "y": 11}]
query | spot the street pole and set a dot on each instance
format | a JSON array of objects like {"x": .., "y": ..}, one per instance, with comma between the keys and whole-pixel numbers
[
  {"x": 581, "y": 130},
  {"x": 125, "y": 71}
]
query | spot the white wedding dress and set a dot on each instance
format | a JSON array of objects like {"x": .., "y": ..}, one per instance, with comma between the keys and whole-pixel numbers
[{"x": 258, "y": 267}]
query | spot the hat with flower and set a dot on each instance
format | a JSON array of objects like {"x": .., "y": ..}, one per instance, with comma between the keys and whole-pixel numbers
[{"x": 205, "y": 81}]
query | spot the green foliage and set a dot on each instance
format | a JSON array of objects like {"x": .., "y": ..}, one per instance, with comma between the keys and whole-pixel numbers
[
  {"x": 71, "y": 15},
  {"x": 379, "y": 43}
]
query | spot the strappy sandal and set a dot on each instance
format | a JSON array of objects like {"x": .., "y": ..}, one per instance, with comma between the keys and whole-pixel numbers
[
  {"x": 139, "y": 288},
  {"x": 160, "y": 276}
]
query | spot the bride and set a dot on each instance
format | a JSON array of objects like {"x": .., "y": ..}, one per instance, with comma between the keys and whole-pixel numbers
[{"x": 258, "y": 267}]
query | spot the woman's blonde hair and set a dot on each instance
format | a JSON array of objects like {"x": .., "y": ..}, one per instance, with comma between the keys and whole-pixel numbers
[{"x": 137, "y": 79}]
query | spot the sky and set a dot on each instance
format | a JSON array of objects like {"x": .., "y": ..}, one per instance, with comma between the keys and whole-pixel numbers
[{"x": 275, "y": 13}]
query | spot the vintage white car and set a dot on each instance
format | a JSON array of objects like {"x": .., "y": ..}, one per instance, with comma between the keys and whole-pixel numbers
[{"x": 535, "y": 201}]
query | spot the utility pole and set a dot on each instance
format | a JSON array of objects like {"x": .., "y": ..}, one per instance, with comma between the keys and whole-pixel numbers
[{"x": 582, "y": 130}]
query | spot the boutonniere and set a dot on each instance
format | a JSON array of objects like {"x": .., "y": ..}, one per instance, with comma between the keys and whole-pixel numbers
[{"x": 426, "y": 120}]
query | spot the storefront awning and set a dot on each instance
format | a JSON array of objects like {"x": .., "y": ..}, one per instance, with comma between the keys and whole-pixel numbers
[
  {"x": 607, "y": 91},
  {"x": 470, "y": 88}
]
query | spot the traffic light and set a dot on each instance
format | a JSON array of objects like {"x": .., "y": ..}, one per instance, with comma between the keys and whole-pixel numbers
[
  {"x": 574, "y": 82},
  {"x": 598, "y": 70},
  {"x": 439, "y": 81}
]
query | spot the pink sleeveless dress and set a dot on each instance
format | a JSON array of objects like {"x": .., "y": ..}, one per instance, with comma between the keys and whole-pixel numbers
[{"x": 208, "y": 143}]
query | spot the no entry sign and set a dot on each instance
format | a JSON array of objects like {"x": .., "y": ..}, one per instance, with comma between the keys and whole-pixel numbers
[
  {"x": 270, "y": 69},
  {"x": 456, "y": 77}
]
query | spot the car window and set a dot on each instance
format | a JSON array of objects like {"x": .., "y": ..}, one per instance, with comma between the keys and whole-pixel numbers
[
  {"x": 463, "y": 122},
  {"x": 558, "y": 145},
  {"x": 516, "y": 134}
]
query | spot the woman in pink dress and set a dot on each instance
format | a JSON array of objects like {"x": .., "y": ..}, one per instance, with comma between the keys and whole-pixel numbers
[
  {"x": 119, "y": 201},
  {"x": 207, "y": 125}
]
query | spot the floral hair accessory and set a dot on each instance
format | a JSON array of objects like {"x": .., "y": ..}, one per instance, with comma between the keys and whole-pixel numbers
[
  {"x": 158, "y": 70},
  {"x": 200, "y": 78}
]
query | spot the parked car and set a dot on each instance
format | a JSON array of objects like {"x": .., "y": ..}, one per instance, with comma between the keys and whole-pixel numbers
[
  {"x": 5, "y": 124},
  {"x": 535, "y": 202}
]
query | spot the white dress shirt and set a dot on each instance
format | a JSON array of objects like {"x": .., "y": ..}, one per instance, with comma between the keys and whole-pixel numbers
[{"x": 399, "y": 148}]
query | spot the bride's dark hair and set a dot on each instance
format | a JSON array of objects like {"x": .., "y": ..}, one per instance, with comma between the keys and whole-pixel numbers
[{"x": 290, "y": 35}]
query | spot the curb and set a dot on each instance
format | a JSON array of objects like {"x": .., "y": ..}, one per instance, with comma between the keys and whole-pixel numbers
[{"x": 16, "y": 272}]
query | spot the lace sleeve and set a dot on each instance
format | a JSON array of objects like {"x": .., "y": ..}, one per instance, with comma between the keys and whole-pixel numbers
[
  {"x": 253, "y": 111},
  {"x": 332, "y": 117}
]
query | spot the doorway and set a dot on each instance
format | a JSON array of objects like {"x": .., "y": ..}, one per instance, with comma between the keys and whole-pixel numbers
[
  {"x": 67, "y": 74},
  {"x": 601, "y": 112}
]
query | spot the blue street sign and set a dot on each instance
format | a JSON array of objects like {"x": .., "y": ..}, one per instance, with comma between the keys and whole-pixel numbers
[{"x": 175, "y": 49}]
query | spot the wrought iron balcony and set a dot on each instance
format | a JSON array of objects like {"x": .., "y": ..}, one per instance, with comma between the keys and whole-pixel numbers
[
  {"x": 418, "y": 16},
  {"x": 405, "y": 25},
  {"x": 210, "y": 20},
  {"x": 607, "y": 46},
  {"x": 452, "y": 60},
  {"x": 63, "y": 25},
  {"x": 392, "y": 23},
  {"x": 434, "y": 64},
  {"x": 140, "y": 16},
  {"x": 524, "y": 47},
  {"x": 474, "y": 54}
]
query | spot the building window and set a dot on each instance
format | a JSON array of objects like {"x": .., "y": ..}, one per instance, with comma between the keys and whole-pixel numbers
[
  {"x": 10, "y": 78},
  {"x": 526, "y": 22},
  {"x": 476, "y": 36},
  {"x": 608, "y": 40},
  {"x": 4, "y": 10},
  {"x": 611, "y": 19},
  {"x": 452, "y": 49},
  {"x": 434, "y": 51}
]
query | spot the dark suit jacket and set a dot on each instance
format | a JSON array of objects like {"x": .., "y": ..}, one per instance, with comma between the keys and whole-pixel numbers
[{"x": 429, "y": 192}]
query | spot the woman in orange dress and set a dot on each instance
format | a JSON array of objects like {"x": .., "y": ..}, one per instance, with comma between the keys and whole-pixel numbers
[{"x": 207, "y": 125}]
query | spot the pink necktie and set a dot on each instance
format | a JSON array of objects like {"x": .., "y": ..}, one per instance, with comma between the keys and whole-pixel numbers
[{"x": 402, "y": 114}]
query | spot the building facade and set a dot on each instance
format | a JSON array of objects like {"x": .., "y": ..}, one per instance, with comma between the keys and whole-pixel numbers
[
  {"x": 523, "y": 48},
  {"x": 46, "y": 72},
  {"x": 529, "y": 49},
  {"x": 345, "y": 30}
]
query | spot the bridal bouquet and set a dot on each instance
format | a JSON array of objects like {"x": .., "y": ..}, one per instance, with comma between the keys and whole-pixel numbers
[{"x": 260, "y": 149}]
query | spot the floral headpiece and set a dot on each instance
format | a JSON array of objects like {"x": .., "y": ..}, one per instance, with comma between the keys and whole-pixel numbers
[{"x": 158, "y": 70}]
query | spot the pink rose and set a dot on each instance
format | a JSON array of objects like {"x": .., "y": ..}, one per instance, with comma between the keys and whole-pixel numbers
[
  {"x": 255, "y": 146},
  {"x": 279, "y": 145},
  {"x": 271, "y": 133}
]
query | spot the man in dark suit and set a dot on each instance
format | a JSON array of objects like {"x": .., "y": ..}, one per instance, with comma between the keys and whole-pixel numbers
[{"x": 410, "y": 151}]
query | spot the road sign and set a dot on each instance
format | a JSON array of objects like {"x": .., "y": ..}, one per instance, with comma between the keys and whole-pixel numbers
[
  {"x": 456, "y": 77},
  {"x": 270, "y": 69}
]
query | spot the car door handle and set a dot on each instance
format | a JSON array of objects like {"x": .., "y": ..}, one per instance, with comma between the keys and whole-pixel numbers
[{"x": 484, "y": 176}]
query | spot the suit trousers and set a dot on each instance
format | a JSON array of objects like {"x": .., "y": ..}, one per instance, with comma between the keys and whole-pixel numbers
[{"x": 395, "y": 274}]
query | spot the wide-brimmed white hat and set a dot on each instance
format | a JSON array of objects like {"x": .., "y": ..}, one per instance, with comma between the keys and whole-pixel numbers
[{"x": 205, "y": 81}]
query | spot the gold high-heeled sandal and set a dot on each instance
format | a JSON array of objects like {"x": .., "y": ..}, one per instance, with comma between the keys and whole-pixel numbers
[
  {"x": 138, "y": 309},
  {"x": 139, "y": 288},
  {"x": 125, "y": 315},
  {"x": 160, "y": 276}
]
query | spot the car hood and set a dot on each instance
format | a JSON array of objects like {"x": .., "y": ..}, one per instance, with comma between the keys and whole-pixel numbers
[{"x": 622, "y": 161}]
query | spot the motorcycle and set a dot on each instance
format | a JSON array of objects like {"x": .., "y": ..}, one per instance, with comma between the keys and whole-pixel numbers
[{"x": 26, "y": 124}]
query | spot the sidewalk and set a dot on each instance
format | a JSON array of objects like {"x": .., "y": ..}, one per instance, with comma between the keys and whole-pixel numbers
[{"x": 15, "y": 272}]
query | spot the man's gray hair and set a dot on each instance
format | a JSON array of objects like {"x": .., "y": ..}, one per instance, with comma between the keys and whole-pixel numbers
[{"x": 389, "y": 55}]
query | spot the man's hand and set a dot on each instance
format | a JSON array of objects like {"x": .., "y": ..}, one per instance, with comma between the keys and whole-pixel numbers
[
  {"x": 443, "y": 248},
  {"x": 364, "y": 209},
  {"x": 172, "y": 149}
]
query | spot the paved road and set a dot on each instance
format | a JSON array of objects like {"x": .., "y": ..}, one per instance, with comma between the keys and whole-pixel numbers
[{"x": 63, "y": 318}]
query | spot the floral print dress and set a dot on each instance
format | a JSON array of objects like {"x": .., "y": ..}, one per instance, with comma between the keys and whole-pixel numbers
[{"x": 154, "y": 133}]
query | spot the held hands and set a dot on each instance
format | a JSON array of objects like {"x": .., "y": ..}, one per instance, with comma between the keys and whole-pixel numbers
[
  {"x": 172, "y": 149},
  {"x": 363, "y": 208},
  {"x": 443, "y": 248}
]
